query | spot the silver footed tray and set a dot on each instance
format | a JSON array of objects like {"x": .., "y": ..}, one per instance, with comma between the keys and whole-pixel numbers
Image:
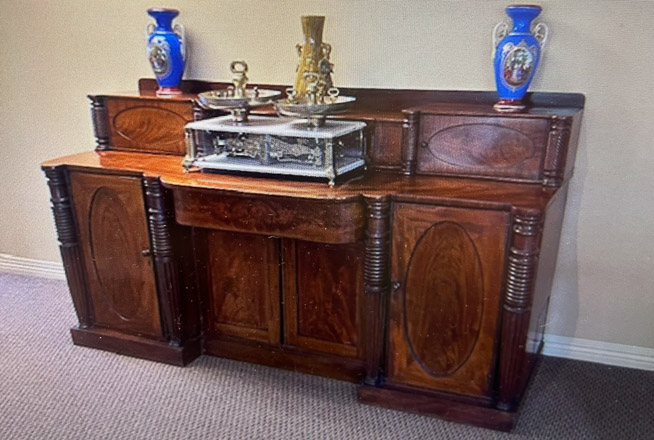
[
  {"x": 237, "y": 98},
  {"x": 316, "y": 104}
]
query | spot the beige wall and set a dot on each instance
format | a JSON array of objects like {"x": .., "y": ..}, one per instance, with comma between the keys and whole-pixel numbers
[{"x": 54, "y": 53}]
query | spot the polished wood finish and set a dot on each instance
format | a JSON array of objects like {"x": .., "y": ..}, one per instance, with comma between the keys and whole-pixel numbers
[
  {"x": 100, "y": 122},
  {"x": 439, "y": 406},
  {"x": 453, "y": 139},
  {"x": 161, "y": 222},
  {"x": 427, "y": 277},
  {"x": 243, "y": 286},
  {"x": 520, "y": 280},
  {"x": 410, "y": 130},
  {"x": 328, "y": 222},
  {"x": 323, "y": 295},
  {"x": 137, "y": 346},
  {"x": 109, "y": 212},
  {"x": 137, "y": 124},
  {"x": 71, "y": 253},
  {"x": 447, "y": 271},
  {"x": 376, "y": 284},
  {"x": 497, "y": 147},
  {"x": 290, "y": 358}
]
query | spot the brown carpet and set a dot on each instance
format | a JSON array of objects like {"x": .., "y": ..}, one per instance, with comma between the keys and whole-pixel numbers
[{"x": 50, "y": 389}]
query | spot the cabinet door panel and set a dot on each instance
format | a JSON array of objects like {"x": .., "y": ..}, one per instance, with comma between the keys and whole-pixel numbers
[
  {"x": 444, "y": 316},
  {"x": 243, "y": 283},
  {"x": 322, "y": 296},
  {"x": 110, "y": 214}
]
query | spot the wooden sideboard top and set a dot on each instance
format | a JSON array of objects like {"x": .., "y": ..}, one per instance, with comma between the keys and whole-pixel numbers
[
  {"x": 472, "y": 192},
  {"x": 388, "y": 104}
]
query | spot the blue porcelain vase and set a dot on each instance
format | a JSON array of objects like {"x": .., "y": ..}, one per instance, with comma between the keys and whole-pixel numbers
[
  {"x": 517, "y": 51},
  {"x": 166, "y": 50}
]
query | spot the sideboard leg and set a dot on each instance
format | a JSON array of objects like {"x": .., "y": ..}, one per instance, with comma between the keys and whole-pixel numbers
[
  {"x": 71, "y": 253},
  {"x": 520, "y": 281},
  {"x": 376, "y": 284},
  {"x": 161, "y": 222}
]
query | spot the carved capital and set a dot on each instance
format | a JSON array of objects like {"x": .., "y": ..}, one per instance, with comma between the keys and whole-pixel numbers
[{"x": 100, "y": 119}]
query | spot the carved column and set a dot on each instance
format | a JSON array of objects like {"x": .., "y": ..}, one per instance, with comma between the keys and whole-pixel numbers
[
  {"x": 519, "y": 290},
  {"x": 100, "y": 122},
  {"x": 557, "y": 151},
  {"x": 161, "y": 222},
  {"x": 410, "y": 141},
  {"x": 71, "y": 253},
  {"x": 376, "y": 284}
]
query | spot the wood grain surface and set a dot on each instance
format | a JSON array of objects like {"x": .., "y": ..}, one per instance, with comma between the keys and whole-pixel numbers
[
  {"x": 444, "y": 314},
  {"x": 153, "y": 125},
  {"x": 110, "y": 213},
  {"x": 323, "y": 293},
  {"x": 243, "y": 283},
  {"x": 486, "y": 146}
]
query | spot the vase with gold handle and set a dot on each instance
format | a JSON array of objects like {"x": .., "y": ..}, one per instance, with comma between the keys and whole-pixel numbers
[{"x": 314, "y": 56}]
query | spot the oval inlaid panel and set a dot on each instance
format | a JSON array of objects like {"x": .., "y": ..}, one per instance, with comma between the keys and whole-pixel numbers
[
  {"x": 117, "y": 265},
  {"x": 443, "y": 298},
  {"x": 476, "y": 145},
  {"x": 150, "y": 126}
]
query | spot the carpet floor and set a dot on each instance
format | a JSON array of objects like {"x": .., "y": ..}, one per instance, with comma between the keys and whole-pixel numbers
[{"x": 51, "y": 389}]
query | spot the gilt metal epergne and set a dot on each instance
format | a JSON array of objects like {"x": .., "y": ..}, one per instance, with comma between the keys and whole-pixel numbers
[{"x": 301, "y": 142}]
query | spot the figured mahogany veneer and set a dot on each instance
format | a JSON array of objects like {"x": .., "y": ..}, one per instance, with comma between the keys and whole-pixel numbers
[
  {"x": 443, "y": 314},
  {"x": 427, "y": 279},
  {"x": 115, "y": 242},
  {"x": 243, "y": 282}
]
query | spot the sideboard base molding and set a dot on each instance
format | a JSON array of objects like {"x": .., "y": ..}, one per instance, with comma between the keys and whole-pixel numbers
[
  {"x": 351, "y": 370},
  {"x": 130, "y": 345},
  {"x": 441, "y": 407}
]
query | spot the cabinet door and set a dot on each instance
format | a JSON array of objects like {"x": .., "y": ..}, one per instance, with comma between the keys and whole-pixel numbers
[
  {"x": 243, "y": 286},
  {"x": 110, "y": 215},
  {"x": 447, "y": 266},
  {"x": 323, "y": 290}
]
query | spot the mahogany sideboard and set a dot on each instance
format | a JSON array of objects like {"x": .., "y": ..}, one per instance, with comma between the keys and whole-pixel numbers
[{"x": 426, "y": 279}]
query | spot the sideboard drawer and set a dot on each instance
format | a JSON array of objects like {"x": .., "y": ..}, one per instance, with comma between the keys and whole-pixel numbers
[
  {"x": 502, "y": 147},
  {"x": 323, "y": 221}
]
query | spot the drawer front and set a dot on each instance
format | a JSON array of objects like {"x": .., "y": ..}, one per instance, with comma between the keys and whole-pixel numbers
[
  {"x": 511, "y": 148},
  {"x": 145, "y": 125},
  {"x": 320, "y": 221}
]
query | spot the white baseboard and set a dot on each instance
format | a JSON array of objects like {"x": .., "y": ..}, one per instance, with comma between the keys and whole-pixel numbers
[
  {"x": 30, "y": 267},
  {"x": 607, "y": 353},
  {"x": 557, "y": 346}
]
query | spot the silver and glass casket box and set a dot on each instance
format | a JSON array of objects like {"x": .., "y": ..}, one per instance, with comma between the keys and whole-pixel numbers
[{"x": 275, "y": 146}]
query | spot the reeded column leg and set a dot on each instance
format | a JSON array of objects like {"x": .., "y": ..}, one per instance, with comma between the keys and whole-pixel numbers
[
  {"x": 520, "y": 281},
  {"x": 376, "y": 284},
  {"x": 161, "y": 222},
  {"x": 71, "y": 254}
]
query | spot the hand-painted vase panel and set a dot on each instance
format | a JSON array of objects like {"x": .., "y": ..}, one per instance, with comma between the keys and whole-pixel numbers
[
  {"x": 517, "y": 52},
  {"x": 166, "y": 50}
]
